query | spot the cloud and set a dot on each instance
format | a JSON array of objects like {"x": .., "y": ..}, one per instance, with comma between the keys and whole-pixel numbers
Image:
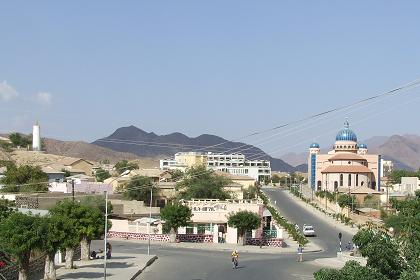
[
  {"x": 7, "y": 92},
  {"x": 44, "y": 98}
]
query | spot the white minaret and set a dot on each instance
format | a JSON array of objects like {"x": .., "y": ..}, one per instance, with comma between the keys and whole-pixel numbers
[{"x": 36, "y": 137}]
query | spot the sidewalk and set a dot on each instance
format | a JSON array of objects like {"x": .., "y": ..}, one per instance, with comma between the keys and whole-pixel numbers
[
  {"x": 120, "y": 266},
  {"x": 223, "y": 247}
]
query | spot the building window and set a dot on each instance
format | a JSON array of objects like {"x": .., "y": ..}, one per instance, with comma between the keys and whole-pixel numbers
[
  {"x": 349, "y": 180},
  {"x": 349, "y": 162},
  {"x": 357, "y": 180},
  {"x": 341, "y": 180}
]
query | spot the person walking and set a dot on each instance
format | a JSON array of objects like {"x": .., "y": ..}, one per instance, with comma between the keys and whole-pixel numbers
[
  {"x": 108, "y": 250},
  {"x": 235, "y": 257},
  {"x": 300, "y": 253}
]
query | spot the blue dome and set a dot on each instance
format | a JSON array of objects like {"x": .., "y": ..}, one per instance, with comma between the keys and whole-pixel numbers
[
  {"x": 363, "y": 146},
  {"x": 314, "y": 145},
  {"x": 346, "y": 134}
]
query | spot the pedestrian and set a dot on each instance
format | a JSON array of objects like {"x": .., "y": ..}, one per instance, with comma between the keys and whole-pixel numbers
[
  {"x": 261, "y": 241},
  {"x": 235, "y": 257},
  {"x": 108, "y": 250},
  {"x": 300, "y": 253}
]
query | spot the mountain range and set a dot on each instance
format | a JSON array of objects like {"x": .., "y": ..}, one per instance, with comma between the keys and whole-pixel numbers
[
  {"x": 133, "y": 140},
  {"x": 403, "y": 150}
]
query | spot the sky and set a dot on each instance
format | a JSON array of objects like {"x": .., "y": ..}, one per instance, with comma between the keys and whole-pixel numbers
[{"x": 229, "y": 68}]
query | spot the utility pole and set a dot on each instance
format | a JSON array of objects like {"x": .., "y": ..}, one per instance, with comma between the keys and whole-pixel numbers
[
  {"x": 72, "y": 189},
  {"x": 106, "y": 230},
  {"x": 150, "y": 219}
]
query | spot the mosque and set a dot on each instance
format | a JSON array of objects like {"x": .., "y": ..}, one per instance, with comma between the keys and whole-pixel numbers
[{"x": 347, "y": 167}]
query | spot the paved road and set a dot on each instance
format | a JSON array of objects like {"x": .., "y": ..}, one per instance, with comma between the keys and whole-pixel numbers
[
  {"x": 190, "y": 264},
  {"x": 327, "y": 234}
]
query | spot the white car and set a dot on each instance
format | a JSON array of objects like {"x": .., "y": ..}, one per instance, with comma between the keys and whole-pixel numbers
[{"x": 308, "y": 230}]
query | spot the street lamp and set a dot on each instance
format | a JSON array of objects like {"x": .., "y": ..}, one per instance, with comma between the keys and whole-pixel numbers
[
  {"x": 150, "y": 219},
  {"x": 106, "y": 218}
]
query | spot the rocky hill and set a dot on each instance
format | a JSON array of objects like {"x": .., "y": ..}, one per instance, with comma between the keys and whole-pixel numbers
[
  {"x": 404, "y": 149},
  {"x": 78, "y": 149},
  {"x": 136, "y": 141}
]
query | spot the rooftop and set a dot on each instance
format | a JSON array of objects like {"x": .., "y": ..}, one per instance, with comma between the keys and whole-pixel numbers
[
  {"x": 346, "y": 169},
  {"x": 346, "y": 156}
]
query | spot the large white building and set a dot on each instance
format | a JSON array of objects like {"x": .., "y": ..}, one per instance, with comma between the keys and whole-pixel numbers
[{"x": 235, "y": 164}]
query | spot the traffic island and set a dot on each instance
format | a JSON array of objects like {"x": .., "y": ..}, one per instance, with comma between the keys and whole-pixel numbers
[{"x": 120, "y": 266}]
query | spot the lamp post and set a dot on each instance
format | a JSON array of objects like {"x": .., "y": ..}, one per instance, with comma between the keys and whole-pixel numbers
[
  {"x": 150, "y": 219},
  {"x": 106, "y": 219}
]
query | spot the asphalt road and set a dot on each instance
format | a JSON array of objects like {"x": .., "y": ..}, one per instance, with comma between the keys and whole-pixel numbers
[
  {"x": 327, "y": 234},
  {"x": 190, "y": 264}
]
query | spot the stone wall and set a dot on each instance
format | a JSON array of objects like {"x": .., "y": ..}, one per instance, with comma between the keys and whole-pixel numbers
[
  {"x": 139, "y": 236},
  {"x": 197, "y": 238},
  {"x": 270, "y": 242}
]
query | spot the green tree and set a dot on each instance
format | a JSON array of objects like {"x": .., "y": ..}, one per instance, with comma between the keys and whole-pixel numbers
[
  {"x": 90, "y": 226},
  {"x": 52, "y": 233},
  {"x": 176, "y": 175},
  {"x": 25, "y": 178},
  {"x": 5, "y": 208},
  {"x": 395, "y": 175},
  {"x": 275, "y": 179},
  {"x": 250, "y": 193},
  {"x": 138, "y": 188},
  {"x": 19, "y": 235},
  {"x": 101, "y": 175},
  {"x": 381, "y": 250},
  {"x": 198, "y": 182},
  {"x": 6, "y": 146},
  {"x": 20, "y": 140},
  {"x": 244, "y": 221},
  {"x": 124, "y": 165},
  {"x": 66, "y": 216},
  {"x": 344, "y": 200},
  {"x": 351, "y": 271},
  {"x": 66, "y": 172},
  {"x": 406, "y": 226},
  {"x": 175, "y": 216}
]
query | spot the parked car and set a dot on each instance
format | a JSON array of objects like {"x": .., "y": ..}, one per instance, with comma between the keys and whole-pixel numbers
[{"x": 308, "y": 230}]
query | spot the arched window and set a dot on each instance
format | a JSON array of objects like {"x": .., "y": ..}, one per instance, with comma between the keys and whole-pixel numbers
[
  {"x": 357, "y": 180},
  {"x": 341, "y": 180},
  {"x": 349, "y": 180}
]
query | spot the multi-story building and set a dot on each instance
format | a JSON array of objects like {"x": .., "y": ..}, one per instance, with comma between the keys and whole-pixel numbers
[
  {"x": 348, "y": 166},
  {"x": 235, "y": 164}
]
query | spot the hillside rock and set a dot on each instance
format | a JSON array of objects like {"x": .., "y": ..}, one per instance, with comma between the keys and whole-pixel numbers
[
  {"x": 78, "y": 149},
  {"x": 136, "y": 141}
]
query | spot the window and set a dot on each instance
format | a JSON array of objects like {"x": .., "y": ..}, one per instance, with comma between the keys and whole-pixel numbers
[
  {"x": 341, "y": 180},
  {"x": 357, "y": 180},
  {"x": 349, "y": 180},
  {"x": 160, "y": 203},
  {"x": 349, "y": 162}
]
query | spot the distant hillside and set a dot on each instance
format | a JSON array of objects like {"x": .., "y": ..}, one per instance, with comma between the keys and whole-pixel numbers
[
  {"x": 136, "y": 141},
  {"x": 295, "y": 159},
  {"x": 84, "y": 150},
  {"x": 405, "y": 149}
]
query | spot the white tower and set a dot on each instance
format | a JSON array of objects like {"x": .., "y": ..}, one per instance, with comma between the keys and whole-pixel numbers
[{"x": 36, "y": 137}]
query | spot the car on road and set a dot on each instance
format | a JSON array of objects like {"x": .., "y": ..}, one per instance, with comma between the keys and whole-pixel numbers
[{"x": 308, "y": 230}]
